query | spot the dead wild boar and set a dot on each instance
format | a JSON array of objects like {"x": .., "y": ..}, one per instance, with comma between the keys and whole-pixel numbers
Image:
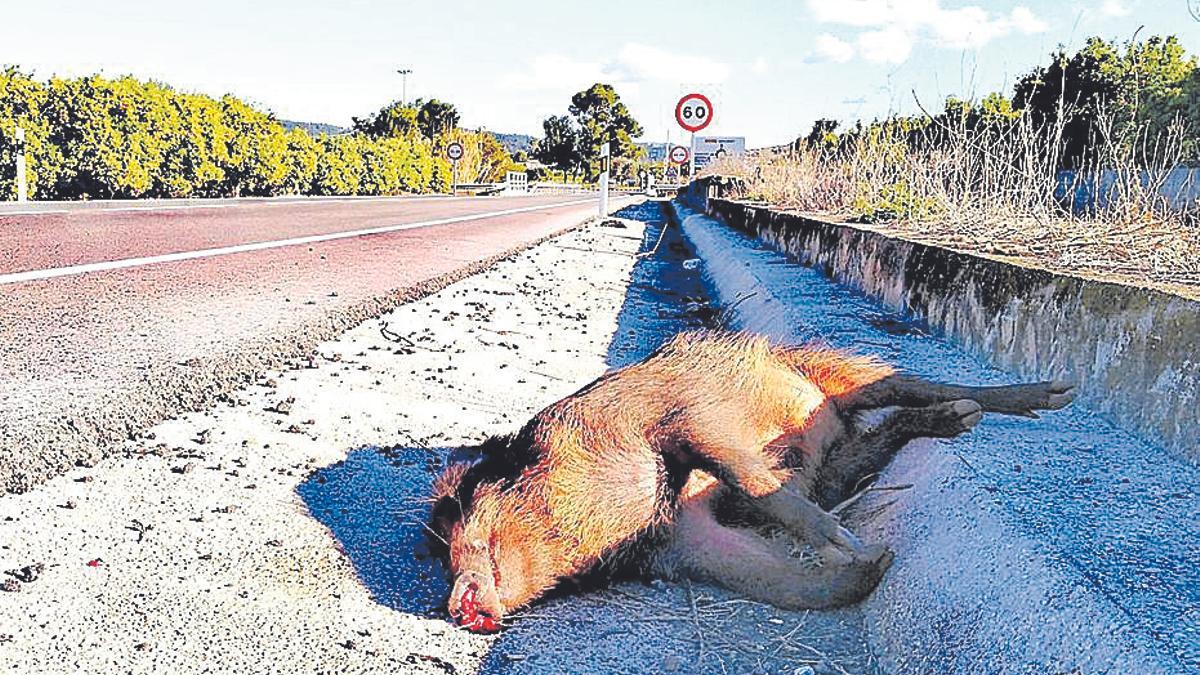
[{"x": 636, "y": 469}]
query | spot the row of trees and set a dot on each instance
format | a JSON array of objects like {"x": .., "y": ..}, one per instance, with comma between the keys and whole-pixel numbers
[
  {"x": 1104, "y": 98},
  {"x": 571, "y": 142},
  {"x": 94, "y": 137}
]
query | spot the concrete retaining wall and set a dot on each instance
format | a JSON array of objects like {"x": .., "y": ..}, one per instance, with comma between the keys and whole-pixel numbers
[
  {"x": 1134, "y": 352},
  {"x": 1061, "y": 544}
]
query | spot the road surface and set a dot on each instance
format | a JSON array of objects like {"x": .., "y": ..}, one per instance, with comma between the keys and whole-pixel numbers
[{"x": 118, "y": 315}]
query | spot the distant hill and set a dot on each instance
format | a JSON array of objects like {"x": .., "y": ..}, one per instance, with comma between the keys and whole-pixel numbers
[
  {"x": 314, "y": 128},
  {"x": 515, "y": 143}
]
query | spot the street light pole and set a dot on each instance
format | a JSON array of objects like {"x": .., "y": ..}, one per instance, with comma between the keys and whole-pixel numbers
[{"x": 404, "y": 73}]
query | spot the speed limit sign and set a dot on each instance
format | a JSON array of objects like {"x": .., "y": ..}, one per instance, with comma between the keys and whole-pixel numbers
[
  {"x": 694, "y": 112},
  {"x": 454, "y": 151},
  {"x": 679, "y": 155}
]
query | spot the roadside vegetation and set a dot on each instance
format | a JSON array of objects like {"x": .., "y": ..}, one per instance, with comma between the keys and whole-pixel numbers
[
  {"x": 1074, "y": 168},
  {"x": 571, "y": 143},
  {"x": 99, "y": 138}
]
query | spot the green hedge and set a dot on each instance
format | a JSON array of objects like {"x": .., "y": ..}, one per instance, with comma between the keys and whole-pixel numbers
[{"x": 96, "y": 138}]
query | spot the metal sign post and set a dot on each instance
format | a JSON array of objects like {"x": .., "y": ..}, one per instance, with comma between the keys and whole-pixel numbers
[
  {"x": 455, "y": 152},
  {"x": 22, "y": 187},
  {"x": 693, "y": 113},
  {"x": 604, "y": 166}
]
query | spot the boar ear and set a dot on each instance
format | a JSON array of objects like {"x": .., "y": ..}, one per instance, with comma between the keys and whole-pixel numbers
[
  {"x": 447, "y": 502},
  {"x": 445, "y": 514}
]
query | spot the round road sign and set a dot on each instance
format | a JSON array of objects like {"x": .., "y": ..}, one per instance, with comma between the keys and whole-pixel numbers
[
  {"x": 454, "y": 151},
  {"x": 694, "y": 112},
  {"x": 679, "y": 155}
]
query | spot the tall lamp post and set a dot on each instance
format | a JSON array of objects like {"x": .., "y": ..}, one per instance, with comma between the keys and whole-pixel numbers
[{"x": 404, "y": 73}]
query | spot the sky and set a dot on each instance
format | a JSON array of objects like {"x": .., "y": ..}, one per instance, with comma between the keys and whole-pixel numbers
[{"x": 771, "y": 67}]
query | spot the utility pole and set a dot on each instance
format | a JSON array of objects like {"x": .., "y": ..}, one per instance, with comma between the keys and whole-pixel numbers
[
  {"x": 22, "y": 188},
  {"x": 404, "y": 73}
]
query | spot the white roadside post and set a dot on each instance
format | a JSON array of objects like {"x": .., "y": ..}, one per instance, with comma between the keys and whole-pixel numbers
[
  {"x": 692, "y": 158},
  {"x": 22, "y": 186},
  {"x": 604, "y": 166}
]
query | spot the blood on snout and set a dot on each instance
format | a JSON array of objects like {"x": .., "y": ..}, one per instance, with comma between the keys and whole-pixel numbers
[{"x": 471, "y": 618}]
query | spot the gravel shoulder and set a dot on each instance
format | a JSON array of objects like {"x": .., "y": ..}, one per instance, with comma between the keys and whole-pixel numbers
[{"x": 279, "y": 531}]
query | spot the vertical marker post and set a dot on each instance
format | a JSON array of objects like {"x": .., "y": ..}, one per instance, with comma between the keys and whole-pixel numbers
[
  {"x": 692, "y": 159},
  {"x": 604, "y": 165},
  {"x": 22, "y": 187}
]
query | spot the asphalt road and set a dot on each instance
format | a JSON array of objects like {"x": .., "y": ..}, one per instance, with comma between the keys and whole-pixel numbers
[{"x": 115, "y": 316}]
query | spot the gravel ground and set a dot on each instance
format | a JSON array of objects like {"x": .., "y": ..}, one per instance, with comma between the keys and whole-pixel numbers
[{"x": 279, "y": 532}]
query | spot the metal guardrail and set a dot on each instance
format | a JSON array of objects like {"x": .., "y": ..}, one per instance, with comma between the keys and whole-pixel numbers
[{"x": 523, "y": 187}]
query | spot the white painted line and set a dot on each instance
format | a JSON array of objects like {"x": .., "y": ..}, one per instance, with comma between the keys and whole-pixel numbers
[{"x": 52, "y": 273}]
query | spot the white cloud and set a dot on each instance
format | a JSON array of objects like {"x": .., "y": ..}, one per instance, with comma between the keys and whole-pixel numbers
[
  {"x": 760, "y": 66},
  {"x": 895, "y": 26},
  {"x": 1114, "y": 8},
  {"x": 831, "y": 48},
  {"x": 890, "y": 45},
  {"x": 1025, "y": 21}
]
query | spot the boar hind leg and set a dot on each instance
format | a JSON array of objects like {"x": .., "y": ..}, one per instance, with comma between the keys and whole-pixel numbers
[
  {"x": 850, "y": 464},
  {"x": 903, "y": 390},
  {"x": 741, "y": 560}
]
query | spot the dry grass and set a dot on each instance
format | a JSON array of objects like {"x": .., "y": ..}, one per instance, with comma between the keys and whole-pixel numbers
[{"x": 993, "y": 192}]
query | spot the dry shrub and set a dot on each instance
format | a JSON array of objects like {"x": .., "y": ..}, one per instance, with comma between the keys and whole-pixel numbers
[{"x": 995, "y": 189}]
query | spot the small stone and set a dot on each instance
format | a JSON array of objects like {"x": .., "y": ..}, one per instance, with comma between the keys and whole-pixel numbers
[
  {"x": 29, "y": 573},
  {"x": 283, "y": 407},
  {"x": 10, "y": 586}
]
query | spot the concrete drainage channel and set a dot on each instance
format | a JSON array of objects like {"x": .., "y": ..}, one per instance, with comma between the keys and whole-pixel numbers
[{"x": 1063, "y": 544}]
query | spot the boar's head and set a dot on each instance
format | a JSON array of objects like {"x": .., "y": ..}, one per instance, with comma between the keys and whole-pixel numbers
[{"x": 491, "y": 527}]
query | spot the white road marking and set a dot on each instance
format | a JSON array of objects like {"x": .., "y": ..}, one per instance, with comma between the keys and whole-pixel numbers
[{"x": 55, "y": 272}]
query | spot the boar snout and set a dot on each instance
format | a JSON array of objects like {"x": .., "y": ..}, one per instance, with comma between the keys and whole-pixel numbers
[{"x": 475, "y": 604}]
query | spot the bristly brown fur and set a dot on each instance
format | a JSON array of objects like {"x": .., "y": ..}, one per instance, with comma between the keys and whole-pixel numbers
[{"x": 647, "y": 449}]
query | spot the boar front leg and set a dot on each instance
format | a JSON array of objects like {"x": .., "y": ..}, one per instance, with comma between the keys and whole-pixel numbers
[{"x": 765, "y": 490}]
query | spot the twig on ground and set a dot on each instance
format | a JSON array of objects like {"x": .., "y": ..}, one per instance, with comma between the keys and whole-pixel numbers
[
  {"x": 861, "y": 493},
  {"x": 661, "y": 235}
]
